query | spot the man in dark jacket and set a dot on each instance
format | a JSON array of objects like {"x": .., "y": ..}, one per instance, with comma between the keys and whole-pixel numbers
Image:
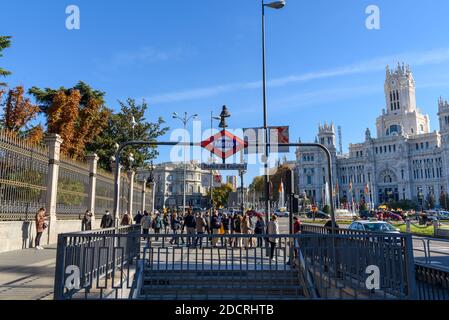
[
  {"x": 138, "y": 217},
  {"x": 190, "y": 225},
  {"x": 107, "y": 221}
]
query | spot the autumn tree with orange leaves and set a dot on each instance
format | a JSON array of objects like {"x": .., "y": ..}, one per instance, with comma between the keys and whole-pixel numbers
[
  {"x": 77, "y": 114},
  {"x": 18, "y": 111}
]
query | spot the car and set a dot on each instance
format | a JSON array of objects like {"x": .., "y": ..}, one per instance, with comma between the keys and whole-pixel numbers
[
  {"x": 390, "y": 215},
  {"x": 279, "y": 213},
  {"x": 318, "y": 215},
  {"x": 374, "y": 226}
]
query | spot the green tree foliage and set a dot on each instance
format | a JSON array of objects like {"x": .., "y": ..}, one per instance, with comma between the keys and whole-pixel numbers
[
  {"x": 120, "y": 130},
  {"x": 258, "y": 184},
  {"x": 221, "y": 195},
  {"x": 5, "y": 42}
]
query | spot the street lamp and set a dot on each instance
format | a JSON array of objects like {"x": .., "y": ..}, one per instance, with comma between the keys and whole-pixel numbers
[
  {"x": 152, "y": 183},
  {"x": 212, "y": 118},
  {"x": 272, "y": 5},
  {"x": 185, "y": 120}
]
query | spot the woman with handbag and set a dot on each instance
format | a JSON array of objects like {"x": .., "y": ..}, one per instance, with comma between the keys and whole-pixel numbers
[{"x": 40, "y": 227}]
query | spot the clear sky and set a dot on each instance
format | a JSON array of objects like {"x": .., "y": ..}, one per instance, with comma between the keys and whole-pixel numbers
[{"x": 323, "y": 64}]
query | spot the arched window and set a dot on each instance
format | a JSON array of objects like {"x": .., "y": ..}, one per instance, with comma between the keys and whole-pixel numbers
[{"x": 394, "y": 130}]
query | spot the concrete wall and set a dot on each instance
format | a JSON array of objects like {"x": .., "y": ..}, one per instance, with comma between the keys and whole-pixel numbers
[{"x": 17, "y": 235}]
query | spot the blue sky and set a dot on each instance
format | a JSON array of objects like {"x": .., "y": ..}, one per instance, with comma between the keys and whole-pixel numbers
[{"x": 195, "y": 56}]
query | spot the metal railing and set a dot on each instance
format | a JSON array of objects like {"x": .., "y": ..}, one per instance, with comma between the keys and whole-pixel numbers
[
  {"x": 100, "y": 261},
  {"x": 432, "y": 283},
  {"x": 123, "y": 263}
]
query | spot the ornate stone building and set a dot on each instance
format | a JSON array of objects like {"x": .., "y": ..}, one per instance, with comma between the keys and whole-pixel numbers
[
  {"x": 169, "y": 179},
  {"x": 406, "y": 161}
]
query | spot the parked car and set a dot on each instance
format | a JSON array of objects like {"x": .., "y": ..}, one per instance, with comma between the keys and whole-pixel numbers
[
  {"x": 318, "y": 215},
  {"x": 392, "y": 216},
  {"x": 280, "y": 213},
  {"x": 373, "y": 226},
  {"x": 253, "y": 213}
]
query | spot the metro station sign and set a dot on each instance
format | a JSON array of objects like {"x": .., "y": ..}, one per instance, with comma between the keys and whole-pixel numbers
[{"x": 224, "y": 144}]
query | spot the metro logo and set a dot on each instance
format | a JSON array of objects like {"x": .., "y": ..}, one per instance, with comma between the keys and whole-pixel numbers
[{"x": 224, "y": 144}]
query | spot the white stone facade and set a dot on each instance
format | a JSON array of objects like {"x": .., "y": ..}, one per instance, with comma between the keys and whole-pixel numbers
[
  {"x": 169, "y": 178},
  {"x": 405, "y": 162}
]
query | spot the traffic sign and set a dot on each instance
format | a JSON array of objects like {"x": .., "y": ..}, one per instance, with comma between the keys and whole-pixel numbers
[
  {"x": 224, "y": 144},
  {"x": 224, "y": 166}
]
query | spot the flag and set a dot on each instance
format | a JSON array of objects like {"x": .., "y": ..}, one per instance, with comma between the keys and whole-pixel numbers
[
  {"x": 281, "y": 187},
  {"x": 367, "y": 189}
]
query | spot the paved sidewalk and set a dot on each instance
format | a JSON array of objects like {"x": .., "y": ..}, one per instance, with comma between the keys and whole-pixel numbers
[{"x": 27, "y": 274}]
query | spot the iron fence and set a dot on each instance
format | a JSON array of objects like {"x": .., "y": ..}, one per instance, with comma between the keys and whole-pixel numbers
[
  {"x": 166, "y": 266},
  {"x": 104, "y": 193},
  {"x": 432, "y": 283},
  {"x": 73, "y": 188},
  {"x": 23, "y": 175}
]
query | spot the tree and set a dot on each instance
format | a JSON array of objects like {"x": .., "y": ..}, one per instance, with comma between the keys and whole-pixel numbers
[
  {"x": 78, "y": 114},
  {"x": 18, "y": 111},
  {"x": 120, "y": 130},
  {"x": 221, "y": 194},
  {"x": 5, "y": 42}
]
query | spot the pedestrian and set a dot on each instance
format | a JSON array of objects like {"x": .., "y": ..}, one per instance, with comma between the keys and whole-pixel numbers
[
  {"x": 175, "y": 225},
  {"x": 107, "y": 221},
  {"x": 273, "y": 229},
  {"x": 190, "y": 225},
  {"x": 238, "y": 231},
  {"x": 86, "y": 223},
  {"x": 259, "y": 230},
  {"x": 166, "y": 222},
  {"x": 138, "y": 217},
  {"x": 157, "y": 225},
  {"x": 215, "y": 225},
  {"x": 226, "y": 222},
  {"x": 296, "y": 230},
  {"x": 328, "y": 226},
  {"x": 126, "y": 220},
  {"x": 200, "y": 229},
  {"x": 208, "y": 218},
  {"x": 145, "y": 222},
  {"x": 40, "y": 227},
  {"x": 245, "y": 227}
]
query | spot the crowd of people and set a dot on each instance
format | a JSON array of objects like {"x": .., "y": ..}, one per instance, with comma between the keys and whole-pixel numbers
[{"x": 191, "y": 228}]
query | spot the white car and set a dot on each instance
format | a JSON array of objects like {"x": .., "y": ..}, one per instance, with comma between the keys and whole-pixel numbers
[
  {"x": 373, "y": 226},
  {"x": 279, "y": 213}
]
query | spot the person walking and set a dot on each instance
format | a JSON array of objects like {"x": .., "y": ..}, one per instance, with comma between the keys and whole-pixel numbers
[
  {"x": 145, "y": 222},
  {"x": 238, "y": 231},
  {"x": 86, "y": 222},
  {"x": 107, "y": 221},
  {"x": 126, "y": 220},
  {"x": 200, "y": 229},
  {"x": 226, "y": 221},
  {"x": 259, "y": 230},
  {"x": 175, "y": 225},
  {"x": 157, "y": 224},
  {"x": 166, "y": 222},
  {"x": 138, "y": 217},
  {"x": 40, "y": 227},
  {"x": 215, "y": 225},
  {"x": 245, "y": 227},
  {"x": 273, "y": 229},
  {"x": 190, "y": 225}
]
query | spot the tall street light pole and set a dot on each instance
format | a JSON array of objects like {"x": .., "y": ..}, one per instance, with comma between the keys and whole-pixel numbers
[
  {"x": 212, "y": 118},
  {"x": 272, "y": 5},
  {"x": 185, "y": 120}
]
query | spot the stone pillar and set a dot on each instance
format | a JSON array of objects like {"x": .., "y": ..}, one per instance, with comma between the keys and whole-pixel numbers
[
  {"x": 408, "y": 225},
  {"x": 53, "y": 142},
  {"x": 153, "y": 193},
  {"x": 92, "y": 160},
  {"x": 144, "y": 187},
  {"x": 131, "y": 175}
]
